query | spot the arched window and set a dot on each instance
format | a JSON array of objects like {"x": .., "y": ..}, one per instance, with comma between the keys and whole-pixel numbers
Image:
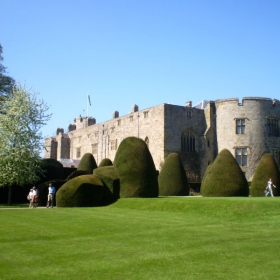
[
  {"x": 147, "y": 141},
  {"x": 187, "y": 142}
]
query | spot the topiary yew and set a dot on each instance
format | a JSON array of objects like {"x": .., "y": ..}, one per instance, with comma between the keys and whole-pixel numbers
[
  {"x": 266, "y": 169},
  {"x": 87, "y": 163},
  {"x": 172, "y": 179},
  {"x": 224, "y": 177},
  {"x": 83, "y": 191},
  {"x": 105, "y": 162},
  {"x": 110, "y": 178},
  {"x": 136, "y": 169}
]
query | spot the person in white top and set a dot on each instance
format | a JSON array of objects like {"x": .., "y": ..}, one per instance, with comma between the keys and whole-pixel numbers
[
  {"x": 30, "y": 197},
  {"x": 35, "y": 197},
  {"x": 268, "y": 189}
]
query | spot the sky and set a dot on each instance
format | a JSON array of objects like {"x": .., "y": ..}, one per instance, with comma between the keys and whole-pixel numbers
[{"x": 144, "y": 52}]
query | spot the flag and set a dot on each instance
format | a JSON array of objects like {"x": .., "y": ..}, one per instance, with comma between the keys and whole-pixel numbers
[{"x": 89, "y": 100}]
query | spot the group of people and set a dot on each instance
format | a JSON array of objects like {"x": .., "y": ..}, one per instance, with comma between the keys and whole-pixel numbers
[{"x": 34, "y": 195}]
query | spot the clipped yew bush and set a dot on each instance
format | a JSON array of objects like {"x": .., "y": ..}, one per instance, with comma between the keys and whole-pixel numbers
[
  {"x": 224, "y": 177},
  {"x": 136, "y": 169},
  {"x": 266, "y": 169},
  {"x": 83, "y": 191},
  {"x": 172, "y": 179},
  {"x": 87, "y": 163},
  {"x": 105, "y": 162},
  {"x": 110, "y": 178}
]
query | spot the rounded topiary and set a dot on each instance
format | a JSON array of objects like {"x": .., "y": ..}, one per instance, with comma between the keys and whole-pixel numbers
[
  {"x": 105, "y": 162},
  {"x": 266, "y": 169},
  {"x": 136, "y": 169},
  {"x": 83, "y": 191},
  {"x": 224, "y": 177},
  {"x": 76, "y": 173},
  {"x": 87, "y": 163},
  {"x": 172, "y": 179},
  {"x": 110, "y": 178}
]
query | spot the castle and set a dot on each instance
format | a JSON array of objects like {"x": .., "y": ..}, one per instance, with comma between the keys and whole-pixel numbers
[{"x": 197, "y": 133}]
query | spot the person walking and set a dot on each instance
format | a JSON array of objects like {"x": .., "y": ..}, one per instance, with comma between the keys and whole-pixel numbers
[
  {"x": 268, "y": 189},
  {"x": 35, "y": 197},
  {"x": 30, "y": 198},
  {"x": 51, "y": 195}
]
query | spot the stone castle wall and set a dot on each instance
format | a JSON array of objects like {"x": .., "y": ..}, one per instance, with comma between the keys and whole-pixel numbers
[{"x": 161, "y": 127}]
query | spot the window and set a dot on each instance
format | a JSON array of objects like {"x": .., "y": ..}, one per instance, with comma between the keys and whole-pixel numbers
[
  {"x": 116, "y": 144},
  {"x": 96, "y": 134},
  {"x": 241, "y": 156},
  {"x": 240, "y": 126},
  {"x": 94, "y": 149},
  {"x": 131, "y": 118},
  {"x": 78, "y": 152},
  {"x": 112, "y": 129},
  {"x": 187, "y": 142},
  {"x": 112, "y": 145},
  {"x": 189, "y": 114},
  {"x": 119, "y": 122},
  {"x": 146, "y": 114},
  {"x": 272, "y": 127}
]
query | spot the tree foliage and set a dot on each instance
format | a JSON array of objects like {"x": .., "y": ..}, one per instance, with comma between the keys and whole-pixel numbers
[
  {"x": 6, "y": 82},
  {"x": 22, "y": 116}
]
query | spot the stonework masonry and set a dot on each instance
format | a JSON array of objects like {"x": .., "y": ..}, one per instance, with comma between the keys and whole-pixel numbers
[{"x": 247, "y": 129}]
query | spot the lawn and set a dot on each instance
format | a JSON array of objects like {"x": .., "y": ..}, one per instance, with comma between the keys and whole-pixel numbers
[{"x": 156, "y": 238}]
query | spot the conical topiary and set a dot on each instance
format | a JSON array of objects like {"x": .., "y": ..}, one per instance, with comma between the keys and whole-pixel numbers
[
  {"x": 87, "y": 163},
  {"x": 266, "y": 169},
  {"x": 105, "y": 162},
  {"x": 224, "y": 177},
  {"x": 172, "y": 179},
  {"x": 136, "y": 169}
]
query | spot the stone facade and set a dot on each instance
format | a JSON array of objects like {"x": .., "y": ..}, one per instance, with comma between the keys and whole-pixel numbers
[{"x": 197, "y": 134}]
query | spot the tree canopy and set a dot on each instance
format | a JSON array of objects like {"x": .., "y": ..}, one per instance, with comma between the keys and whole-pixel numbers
[
  {"x": 22, "y": 116},
  {"x": 6, "y": 82}
]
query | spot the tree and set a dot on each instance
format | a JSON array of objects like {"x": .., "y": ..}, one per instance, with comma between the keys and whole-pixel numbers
[
  {"x": 6, "y": 82},
  {"x": 21, "y": 119}
]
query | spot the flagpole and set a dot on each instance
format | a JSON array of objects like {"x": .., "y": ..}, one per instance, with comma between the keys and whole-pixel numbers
[{"x": 87, "y": 104}]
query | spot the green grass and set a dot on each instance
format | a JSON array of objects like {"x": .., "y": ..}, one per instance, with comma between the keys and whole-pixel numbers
[{"x": 137, "y": 238}]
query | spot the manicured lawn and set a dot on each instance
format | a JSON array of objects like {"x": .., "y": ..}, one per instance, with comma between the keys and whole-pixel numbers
[{"x": 159, "y": 238}]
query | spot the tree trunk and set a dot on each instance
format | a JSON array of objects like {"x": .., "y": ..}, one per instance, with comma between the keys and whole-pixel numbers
[{"x": 10, "y": 192}]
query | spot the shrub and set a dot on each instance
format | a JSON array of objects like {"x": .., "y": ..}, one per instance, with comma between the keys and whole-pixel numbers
[
  {"x": 136, "y": 169},
  {"x": 87, "y": 163},
  {"x": 76, "y": 173},
  {"x": 83, "y": 191},
  {"x": 110, "y": 178},
  {"x": 224, "y": 177},
  {"x": 266, "y": 168},
  {"x": 172, "y": 179},
  {"x": 52, "y": 169},
  {"x": 105, "y": 162}
]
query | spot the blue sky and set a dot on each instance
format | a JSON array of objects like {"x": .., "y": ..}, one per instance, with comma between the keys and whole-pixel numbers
[{"x": 149, "y": 52}]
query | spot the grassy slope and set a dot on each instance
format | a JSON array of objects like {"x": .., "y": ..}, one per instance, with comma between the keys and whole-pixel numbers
[{"x": 155, "y": 238}]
